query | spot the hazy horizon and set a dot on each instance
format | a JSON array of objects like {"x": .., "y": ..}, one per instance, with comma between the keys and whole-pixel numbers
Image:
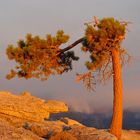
[{"x": 41, "y": 17}]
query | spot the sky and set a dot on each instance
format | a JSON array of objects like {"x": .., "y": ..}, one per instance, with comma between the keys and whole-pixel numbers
[{"x": 41, "y": 17}]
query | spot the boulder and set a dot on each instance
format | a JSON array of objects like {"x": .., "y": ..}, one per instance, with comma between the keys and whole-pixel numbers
[
  {"x": 89, "y": 133},
  {"x": 46, "y": 129},
  {"x": 54, "y": 106},
  {"x": 70, "y": 122},
  {"x": 43, "y": 129},
  {"x": 29, "y": 107}
]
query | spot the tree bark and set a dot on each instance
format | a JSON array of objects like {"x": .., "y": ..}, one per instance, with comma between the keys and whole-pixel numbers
[
  {"x": 72, "y": 45},
  {"x": 116, "y": 123}
]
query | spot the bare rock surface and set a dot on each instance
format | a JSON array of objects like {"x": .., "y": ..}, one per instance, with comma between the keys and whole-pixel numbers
[
  {"x": 70, "y": 122},
  {"x": 54, "y": 106},
  {"x": 9, "y": 132},
  {"x": 63, "y": 136},
  {"x": 29, "y": 107},
  {"x": 89, "y": 133},
  {"x": 130, "y": 135},
  {"x": 22, "y": 117},
  {"x": 47, "y": 129},
  {"x": 43, "y": 129}
]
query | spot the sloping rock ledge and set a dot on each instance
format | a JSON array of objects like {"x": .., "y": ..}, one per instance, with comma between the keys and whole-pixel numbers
[
  {"x": 24, "y": 117},
  {"x": 29, "y": 107}
]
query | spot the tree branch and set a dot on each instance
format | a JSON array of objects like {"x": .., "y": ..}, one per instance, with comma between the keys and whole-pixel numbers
[{"x": 72, "y": 45}]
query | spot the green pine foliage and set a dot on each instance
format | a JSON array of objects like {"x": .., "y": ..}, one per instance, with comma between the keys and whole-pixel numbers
[
  {"x": 100, "y": 38},
  {"x": 41, "y": 58},
  {"x": 37, "y": 57}
]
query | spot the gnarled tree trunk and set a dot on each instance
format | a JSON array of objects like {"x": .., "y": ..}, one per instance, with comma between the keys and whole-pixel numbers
[{"x": 116, "y": 124}]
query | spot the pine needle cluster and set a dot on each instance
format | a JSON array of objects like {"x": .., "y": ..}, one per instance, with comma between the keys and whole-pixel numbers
[{"x": 36, "y": 57}]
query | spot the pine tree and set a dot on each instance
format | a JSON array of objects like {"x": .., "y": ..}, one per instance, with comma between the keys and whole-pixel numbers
[{"x": 40, "y": 58}]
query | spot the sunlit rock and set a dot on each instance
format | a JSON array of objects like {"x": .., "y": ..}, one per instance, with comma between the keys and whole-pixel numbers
[
  {"x": 29, "y": 107},
  {"x": 70, "y": 122},
  {"x": 9, "y": 132},
  {"x": 89, "y": 133},
  {"x": 54, "y": 106},
  {"x": 63, "y": 136},
  {"x": 24, "y": 117},
  {"x": 130, "y": 135}
]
